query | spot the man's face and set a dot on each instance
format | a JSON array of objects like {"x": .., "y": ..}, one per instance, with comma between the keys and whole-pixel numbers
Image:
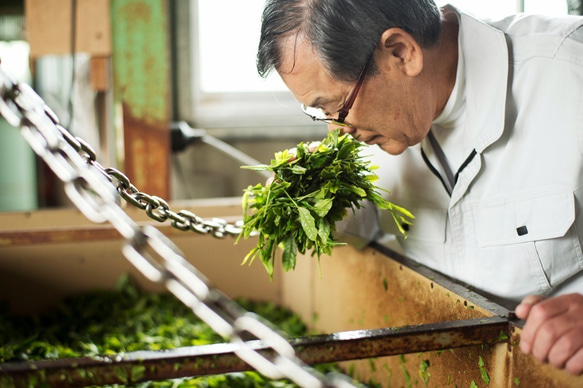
[{"x": 388, "y": 110}]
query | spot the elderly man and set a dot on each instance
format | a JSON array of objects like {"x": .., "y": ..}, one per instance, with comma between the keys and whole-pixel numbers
[{"x": 478, "y": 130}]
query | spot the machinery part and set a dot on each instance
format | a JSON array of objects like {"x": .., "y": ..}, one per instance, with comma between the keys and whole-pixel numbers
[{"x": 182, "y": 135}]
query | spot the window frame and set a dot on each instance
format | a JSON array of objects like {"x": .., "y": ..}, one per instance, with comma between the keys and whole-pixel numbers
[{"x": 224, "y": 110}]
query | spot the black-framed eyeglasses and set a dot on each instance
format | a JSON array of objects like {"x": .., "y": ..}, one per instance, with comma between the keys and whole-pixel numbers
[{"x": 317, "y": 114}]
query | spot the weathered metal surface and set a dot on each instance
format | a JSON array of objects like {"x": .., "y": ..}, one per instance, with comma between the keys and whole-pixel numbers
[
  {"x": 141, "y": 75},
  {"x": 220, "y": 358}
]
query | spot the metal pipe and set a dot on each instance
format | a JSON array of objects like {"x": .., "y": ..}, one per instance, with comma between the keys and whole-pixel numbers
[
  {"x": 183, "y": 135},
  {"x": 233, "y": 153}
]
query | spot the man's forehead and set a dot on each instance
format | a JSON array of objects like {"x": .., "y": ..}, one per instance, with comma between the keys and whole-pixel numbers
[
  {"x": 298, "y": 55},
  {"x": 305, "y": 75}
]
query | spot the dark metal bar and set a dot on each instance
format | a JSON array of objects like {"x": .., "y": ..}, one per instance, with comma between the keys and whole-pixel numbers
[{"x": 220, "y": 358}]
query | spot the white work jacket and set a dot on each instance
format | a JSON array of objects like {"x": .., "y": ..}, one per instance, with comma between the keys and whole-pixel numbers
[{"x": 512, "y": 225}]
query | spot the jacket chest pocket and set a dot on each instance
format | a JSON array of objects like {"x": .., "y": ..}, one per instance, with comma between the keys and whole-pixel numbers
[
  {"x": 525, "y": 219},
  {"x": 532, "y": 238}
]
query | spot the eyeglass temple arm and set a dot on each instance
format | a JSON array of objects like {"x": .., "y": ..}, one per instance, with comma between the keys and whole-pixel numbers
[{"x": 346, "y": 108}]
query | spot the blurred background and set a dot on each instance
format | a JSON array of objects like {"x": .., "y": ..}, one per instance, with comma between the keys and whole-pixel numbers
[{"x": 164, "y": 90}]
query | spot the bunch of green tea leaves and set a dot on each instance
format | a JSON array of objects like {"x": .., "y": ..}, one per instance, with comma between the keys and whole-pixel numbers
[{"x": 310, "y": 192}]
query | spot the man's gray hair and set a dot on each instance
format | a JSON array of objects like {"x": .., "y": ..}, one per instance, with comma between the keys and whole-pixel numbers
[{"x": 343, "y": 33}]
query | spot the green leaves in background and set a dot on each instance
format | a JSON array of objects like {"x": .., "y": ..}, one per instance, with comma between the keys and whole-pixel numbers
[
  {"x": 128, "y": 319},
  {"x": 311, "y": 190}
]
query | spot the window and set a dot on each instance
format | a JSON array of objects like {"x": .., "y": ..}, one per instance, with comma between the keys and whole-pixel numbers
[
  {"x": 226, "y": 91},
  {"x": 499, "y": 8},
  {"x": 547, "y": 7},
  {"x": 485, "y": 9}
]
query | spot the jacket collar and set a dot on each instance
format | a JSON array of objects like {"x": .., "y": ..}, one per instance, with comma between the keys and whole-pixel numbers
[{"x": 485, "y": 54}]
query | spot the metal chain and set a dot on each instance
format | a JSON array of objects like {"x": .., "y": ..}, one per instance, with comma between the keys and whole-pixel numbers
[
  {"x": 158, "y": 209},
  {"x": 93, "y": 190},
  {"x": 155, "y": 207}
]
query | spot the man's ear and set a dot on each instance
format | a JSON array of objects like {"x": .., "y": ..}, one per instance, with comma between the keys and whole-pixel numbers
[{"x": 402, "y": 50}]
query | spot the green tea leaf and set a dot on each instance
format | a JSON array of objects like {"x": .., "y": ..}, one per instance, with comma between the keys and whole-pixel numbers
[
  {"x": 323, "y": 206},
  {"x": 308, "y": 223},
  {"x": 324, "y": 231},
  {"x": 298, "y": 170},
  {"x": 290, "y": 251},
  {"x": 360, "y": 192},
  {"x": 483, "y": 371}
]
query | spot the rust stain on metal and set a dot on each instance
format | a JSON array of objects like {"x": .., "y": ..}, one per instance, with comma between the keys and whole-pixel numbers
[
  {"x": 137, "y": 10},
  {"x": 147, "y": 149}
]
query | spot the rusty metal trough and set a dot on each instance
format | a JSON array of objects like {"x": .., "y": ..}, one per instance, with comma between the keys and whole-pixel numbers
[{"x": 384, "y": 317}]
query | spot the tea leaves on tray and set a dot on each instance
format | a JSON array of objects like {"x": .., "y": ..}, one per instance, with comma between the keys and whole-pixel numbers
[{"x": 127, "y": 319}]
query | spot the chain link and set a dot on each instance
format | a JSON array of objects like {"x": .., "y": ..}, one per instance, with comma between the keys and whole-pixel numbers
[{"x": 95, "y": 191}]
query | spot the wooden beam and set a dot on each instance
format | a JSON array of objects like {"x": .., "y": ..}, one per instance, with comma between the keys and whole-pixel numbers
[
  {"x": 100, "y": 73},
  {"x": 49, "y": 24}
]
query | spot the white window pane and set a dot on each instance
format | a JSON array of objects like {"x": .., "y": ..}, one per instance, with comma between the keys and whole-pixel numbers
[
  {"x": 229, "y": 33},
  {"x": 490, "y": 9},
  {"x": 546, "y": 7},
  {"x": 14, "y": 59}
]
